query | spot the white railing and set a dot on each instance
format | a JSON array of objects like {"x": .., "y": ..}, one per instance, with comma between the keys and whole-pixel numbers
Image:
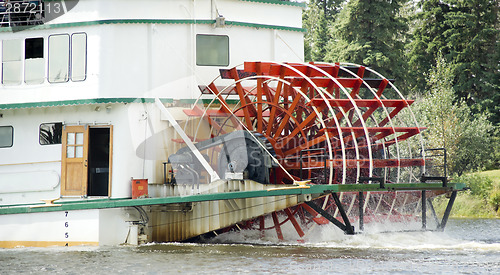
[{"x": 15, "y": 13}]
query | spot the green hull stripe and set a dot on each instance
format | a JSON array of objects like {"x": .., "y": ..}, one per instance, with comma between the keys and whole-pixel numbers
[
  {"x": 314, "y": 189},
  {"x": 153, "y": 21}
]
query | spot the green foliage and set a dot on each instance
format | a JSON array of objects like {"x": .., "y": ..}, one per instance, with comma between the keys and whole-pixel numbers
[
  {"x": 473, "y": 41},
  {"x": 494, "y": 162},
  {"x": 427, "y": 40},
  {"x": 329, "y": 8},
  {"x": 467, "y": 137},
  {"x": 370, "y": 33},
  {"x": 317, "y": 18},
  {"x": 321, "y": 38},
  {"x": 481, "y": 201},
  {"x": 465, "y": 206},
  {"x": 480, "y": 185},
  {"x": 494, "y": 175},
  {"x": 317, "y": 36},
  {"x": 466, "y": 33},
  {"x": 494, "y": 200}
]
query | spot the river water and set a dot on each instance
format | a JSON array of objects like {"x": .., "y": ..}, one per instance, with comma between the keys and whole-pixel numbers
[{"x": 467, "y": 246}]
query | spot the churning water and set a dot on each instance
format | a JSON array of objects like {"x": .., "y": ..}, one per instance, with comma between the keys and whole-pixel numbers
[{"x": 469, "y": 246}]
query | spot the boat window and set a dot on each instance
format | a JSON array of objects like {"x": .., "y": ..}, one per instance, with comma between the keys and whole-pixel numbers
[
  {"x": 12, "y": 62},
  {"x": 58, "y": 58},
  {"x": 6, "y": 136},
  {"x": 34, "y": 71},
  {"x": 78, "y": 56},
  {"x": 212, "y": 50},
  {"x": 74, "y": 145},
  {"x": 50, "y": 133}
]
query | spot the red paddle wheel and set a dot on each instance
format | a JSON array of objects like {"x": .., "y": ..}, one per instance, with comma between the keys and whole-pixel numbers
[{"x": 325, "y": 123}]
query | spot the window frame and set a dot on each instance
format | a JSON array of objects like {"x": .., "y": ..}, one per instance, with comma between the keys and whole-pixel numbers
[
  {"x": 11, "y": 138},
  {"x": 9, "y": 62},
  {"x": 213, "y": 65},
  {"x": 49, "y": 59},
  {"x": 71, "y": 57},
  {"x": 40, "y": 132},
  {"x": 25, "y": 61}
]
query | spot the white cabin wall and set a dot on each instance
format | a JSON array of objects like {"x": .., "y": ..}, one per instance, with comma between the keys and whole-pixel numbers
[
  {"x": 124, "y": 67},
  {"x": 263, "y": 13},
  {"x": 172, "y": 70},
  {"x": 27, "y": 165}
]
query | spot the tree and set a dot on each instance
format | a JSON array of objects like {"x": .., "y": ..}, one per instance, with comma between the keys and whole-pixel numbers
[
  {"x": 473, "y": 50},
  {"x": 370, "y": 33},
  {"x": 321, "y": 39},
  {"x": 467, "y": 137},
  {"x": 427, "y": 40},
  {"x": 317, "y": 19},
  {"x": 466, "y": 33},
  {"x": 330, "y": 8}
]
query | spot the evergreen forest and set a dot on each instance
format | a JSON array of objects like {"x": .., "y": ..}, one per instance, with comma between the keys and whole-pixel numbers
[{"x": 445, "y": 54}]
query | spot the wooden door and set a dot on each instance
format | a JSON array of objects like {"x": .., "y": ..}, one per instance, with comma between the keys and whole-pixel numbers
[{"x": 74, "y": 161}]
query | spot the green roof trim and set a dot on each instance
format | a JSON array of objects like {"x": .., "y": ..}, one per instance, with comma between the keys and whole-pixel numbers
[
  {"x": 80, "y": 102},
  {"x": 155, "y": 21},
  {"x": 252, "y": 25},
  {"x": 280, "y": 2}
]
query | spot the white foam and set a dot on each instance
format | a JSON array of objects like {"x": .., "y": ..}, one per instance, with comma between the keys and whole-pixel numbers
[{"x": 374, "y": 237}]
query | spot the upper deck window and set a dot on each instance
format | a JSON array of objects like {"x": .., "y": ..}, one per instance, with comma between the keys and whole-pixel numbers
[
  {"x": 78, "y": 56},
  {"x": 12, "y": 61},
  {"x": 58, "y": 58},
  {"x": 34, "y": 67},
  {"x": 6, "y": 136},
  {"x": 212, "y": 50}
]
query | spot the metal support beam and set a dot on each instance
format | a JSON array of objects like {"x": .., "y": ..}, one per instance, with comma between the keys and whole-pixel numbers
[
  {"x": 349, "y": 227},
  {"x": 433, "y": 211},
  {"x": 327, "y": 216},
  {"x": 447, "y": 212},
  {"x": 361, "y": 201}
]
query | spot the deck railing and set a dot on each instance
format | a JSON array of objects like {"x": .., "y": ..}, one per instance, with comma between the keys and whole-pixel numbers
[{"x": 16, "y": 13}]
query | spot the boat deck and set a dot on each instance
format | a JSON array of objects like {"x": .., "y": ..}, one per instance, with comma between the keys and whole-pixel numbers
[{"x": 271, "y": 190}]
